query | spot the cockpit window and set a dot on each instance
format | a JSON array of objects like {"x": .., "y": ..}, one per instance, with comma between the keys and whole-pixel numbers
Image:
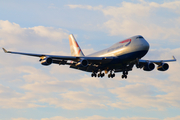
[{"x": 139, "y": 37}]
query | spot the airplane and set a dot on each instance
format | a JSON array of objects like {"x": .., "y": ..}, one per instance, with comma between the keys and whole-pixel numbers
[{"x": 120, "y": 57}]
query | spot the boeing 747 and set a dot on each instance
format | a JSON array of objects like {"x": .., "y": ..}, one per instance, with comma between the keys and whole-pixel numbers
[{"x": 120, "y": 57}]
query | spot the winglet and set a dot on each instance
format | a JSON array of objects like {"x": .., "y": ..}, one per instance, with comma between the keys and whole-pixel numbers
[
  {"x": 5, "y": 50},
  {"x": 174, "y": 58}
]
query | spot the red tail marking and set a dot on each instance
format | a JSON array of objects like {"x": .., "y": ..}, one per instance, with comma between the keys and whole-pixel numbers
[
  {"x": 79, "y": 51},
  {"x": 77, "y": 44}
]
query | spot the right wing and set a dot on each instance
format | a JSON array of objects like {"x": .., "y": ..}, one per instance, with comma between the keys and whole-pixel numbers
[{"x": 58, "y": 59}]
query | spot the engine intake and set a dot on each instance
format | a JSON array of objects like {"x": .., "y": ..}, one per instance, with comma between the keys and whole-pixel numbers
[
  {"x": 163, "y": 67},
  {"x": 46, "y": 61},
  {"x": 82, "y": 63},
  {"x": 149, "y": 67}
]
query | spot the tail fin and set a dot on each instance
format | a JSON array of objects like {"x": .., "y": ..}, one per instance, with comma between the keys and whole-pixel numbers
[{"x": 75, "y": 49}]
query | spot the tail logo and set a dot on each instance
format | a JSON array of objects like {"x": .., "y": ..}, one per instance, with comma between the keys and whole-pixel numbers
[{"x": 75, "y": 49}]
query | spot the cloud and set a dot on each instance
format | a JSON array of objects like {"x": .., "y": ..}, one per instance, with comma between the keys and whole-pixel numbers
[
  {"x": 81, "y": 93},
  {"x": 48, "y": 85},
  {"x": 97, "y": 117},
  {"x": 85, "y": 7},
  {"x": 138, "y": 18},
  {"x": 138, "y": 95},
  {"x": 153, "y": 89},
  {"x": 22, "y": 119},
  {"x": 85, "y": 99},
  {"x": 35, "y": 75},
  {"x": 141, "y": 18},
  {"x": 71, "y": 105},
  {"x": 38, "y": 37},
  {"x": 174, "y": 5},
  {"x": 58, "y": 93},
  {"x": 173, "y": 118},
  {"x": 12, "y": 99},
  {"x": 50, "y": 32}
]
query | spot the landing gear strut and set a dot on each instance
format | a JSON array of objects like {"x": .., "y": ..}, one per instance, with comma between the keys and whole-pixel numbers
[{"x": 124, "y": 75}]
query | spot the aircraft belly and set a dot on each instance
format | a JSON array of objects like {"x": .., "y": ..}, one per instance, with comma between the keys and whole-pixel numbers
[{"x": 116, "y": 63}]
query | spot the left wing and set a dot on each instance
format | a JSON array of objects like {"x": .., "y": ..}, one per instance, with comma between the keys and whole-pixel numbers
[
  {"x": 158, "y": 62},
  {"x": 148, "y": 65}
]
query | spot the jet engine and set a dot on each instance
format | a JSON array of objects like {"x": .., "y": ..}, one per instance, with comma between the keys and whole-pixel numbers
[
  {"x": 82, "y": 63},
  {"x": 163, "y": 67},
  {"x": 148, "y": 67},
  {"x": 46, "y": 61}
]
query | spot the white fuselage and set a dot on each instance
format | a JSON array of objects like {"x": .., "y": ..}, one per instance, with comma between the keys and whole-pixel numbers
[{"x": 128, "y": 46}]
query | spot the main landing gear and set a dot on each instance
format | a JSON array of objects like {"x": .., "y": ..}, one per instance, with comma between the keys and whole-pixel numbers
[
  {"x": 97, "y": 75},
  {"x": 124, "y": 75},
  {"x": 110, "y": 75}
]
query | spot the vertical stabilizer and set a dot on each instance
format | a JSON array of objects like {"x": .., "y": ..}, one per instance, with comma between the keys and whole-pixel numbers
[{"x": 75, "y": 49}]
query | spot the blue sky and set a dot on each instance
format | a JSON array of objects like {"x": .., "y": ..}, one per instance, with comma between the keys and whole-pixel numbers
[{"x": 30, "y": 91}]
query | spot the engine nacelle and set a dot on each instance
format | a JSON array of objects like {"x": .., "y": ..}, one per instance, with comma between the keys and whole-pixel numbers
[
  {"x": 163, "y": 67},
  {"x": 46, "y": 61},
  {"x": 149, "y": 67},
  {"x": 82, "y": 63}
]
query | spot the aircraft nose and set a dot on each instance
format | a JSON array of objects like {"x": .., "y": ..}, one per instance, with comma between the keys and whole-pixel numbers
[{"x": 145, "y": 44}]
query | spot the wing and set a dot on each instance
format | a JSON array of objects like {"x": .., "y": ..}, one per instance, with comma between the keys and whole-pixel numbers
[
  {"x": 62, "y": 59},
  {"x": 158, "y": 62}
]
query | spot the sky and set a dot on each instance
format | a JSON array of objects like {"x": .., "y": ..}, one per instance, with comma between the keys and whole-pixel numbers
[{"x": 30, "y": 91}]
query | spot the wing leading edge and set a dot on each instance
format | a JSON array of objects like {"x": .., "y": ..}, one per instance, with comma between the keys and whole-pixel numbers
[
  {"x": 158, "y": 62},
  {"x": 56, "y": 57}
]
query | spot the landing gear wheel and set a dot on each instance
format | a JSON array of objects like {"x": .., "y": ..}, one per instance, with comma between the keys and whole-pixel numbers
[
  {"x": 113, "y": 75},
  {"x": 99, "y": 75},
  {"x": 93, "y": 75},
  {"x": 124, "y": 76},
  {"x": 102, "y": 75},
  {"x": 109, "y": 75}
]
